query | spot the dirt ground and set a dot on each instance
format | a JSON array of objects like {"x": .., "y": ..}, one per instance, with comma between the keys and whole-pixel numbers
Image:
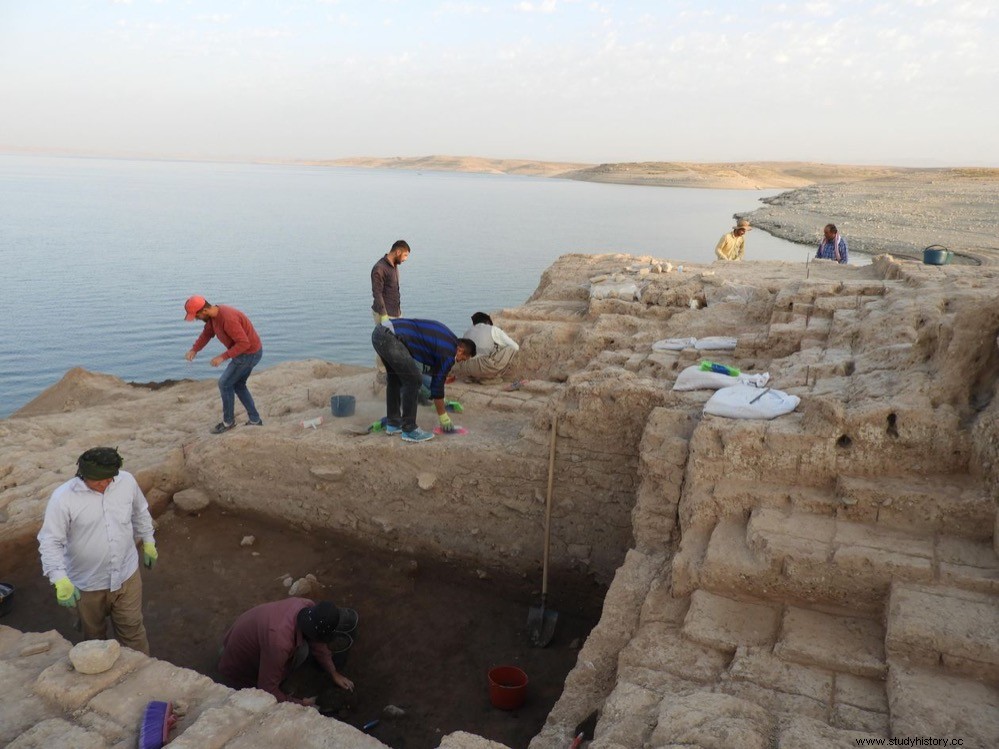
[{"x": 429, "y": 631}]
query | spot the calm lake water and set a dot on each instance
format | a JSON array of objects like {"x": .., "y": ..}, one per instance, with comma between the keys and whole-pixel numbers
[{"x": 99, "y": 255}]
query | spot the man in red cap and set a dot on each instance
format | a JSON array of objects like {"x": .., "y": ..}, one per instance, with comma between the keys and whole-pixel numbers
[
  {"x": 268, "y": 642},
  {"x": 243, "y": 350}
]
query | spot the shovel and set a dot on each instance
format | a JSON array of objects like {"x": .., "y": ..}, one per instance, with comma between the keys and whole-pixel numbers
[{"x": 541, "y": 620}]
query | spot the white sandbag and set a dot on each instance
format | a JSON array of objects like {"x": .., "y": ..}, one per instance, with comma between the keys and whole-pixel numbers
[
  {"x": 734, "y": 403},
  {"x": 676, "y": 344},
  {"x": 628, "y": 291},
  {"x": 715, "y": 343},
  {"x": 695, "y": 378}
]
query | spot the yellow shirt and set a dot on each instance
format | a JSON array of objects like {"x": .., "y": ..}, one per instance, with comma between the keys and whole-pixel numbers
[{"x": 730, "y": 247}]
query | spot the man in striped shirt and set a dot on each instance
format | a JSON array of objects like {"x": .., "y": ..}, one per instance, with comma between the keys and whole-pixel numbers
[{"x": 409, "y": 348}]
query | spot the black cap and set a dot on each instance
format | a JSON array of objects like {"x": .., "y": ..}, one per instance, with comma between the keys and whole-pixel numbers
[{"x": 319, "y": 622}]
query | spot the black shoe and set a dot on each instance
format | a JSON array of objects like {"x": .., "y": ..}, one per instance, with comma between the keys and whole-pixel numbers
[
  {"x": 255, "y": 423},
  {"x": 223, "y": 427}
]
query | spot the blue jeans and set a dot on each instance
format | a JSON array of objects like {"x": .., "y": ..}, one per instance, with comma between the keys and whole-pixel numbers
[
  {"x": 404, "y": 379},
  {"x": 232, "y": 383}
]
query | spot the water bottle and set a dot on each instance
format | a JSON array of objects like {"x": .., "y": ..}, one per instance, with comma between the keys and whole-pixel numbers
[{"x": 710, "y": 366}]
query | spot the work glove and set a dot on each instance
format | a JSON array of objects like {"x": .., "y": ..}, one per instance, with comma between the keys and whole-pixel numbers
[
  {"x": 149, "y": 554},
  {"x": 66, "y": 592},
  {"x": 446, "y": 424},
  {"x": 385, "y": 321}
]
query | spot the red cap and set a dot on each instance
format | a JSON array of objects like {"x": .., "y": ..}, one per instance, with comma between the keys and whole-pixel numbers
[{"x": 193, "y": 306}]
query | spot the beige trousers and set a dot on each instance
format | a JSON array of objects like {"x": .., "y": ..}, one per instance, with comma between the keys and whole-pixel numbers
[
  {"x": 486, "y": 367},
  {"x": 124, "y": 606}
]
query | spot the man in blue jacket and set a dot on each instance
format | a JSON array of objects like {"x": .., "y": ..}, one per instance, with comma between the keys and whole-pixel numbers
[{"x": 409, "y": 347}]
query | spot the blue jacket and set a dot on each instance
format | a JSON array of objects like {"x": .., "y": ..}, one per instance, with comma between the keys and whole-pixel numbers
[{"x": 432, "y": 344}]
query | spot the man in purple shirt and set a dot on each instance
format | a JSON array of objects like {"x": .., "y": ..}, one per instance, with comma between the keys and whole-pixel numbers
[
  {"x": 268, "y": 642},
  {"x": 386, "y": 298}
]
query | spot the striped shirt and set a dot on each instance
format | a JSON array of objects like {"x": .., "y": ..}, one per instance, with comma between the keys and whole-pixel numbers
[{"x": 432, "y": 344}]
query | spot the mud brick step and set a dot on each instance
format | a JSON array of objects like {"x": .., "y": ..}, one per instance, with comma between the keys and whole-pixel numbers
[
  {"x": 845, "y": 644},
  {"x": 951, "y": 504},
  {"x": 726, "y": 623},
  {"x": 931, "y": 701},
  {"x": 931, "y": 625},
  {"x": 797, "y": 557}
]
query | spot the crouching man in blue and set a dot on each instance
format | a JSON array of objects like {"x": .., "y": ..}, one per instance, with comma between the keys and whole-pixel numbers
[{"x": 408, "y": 347}]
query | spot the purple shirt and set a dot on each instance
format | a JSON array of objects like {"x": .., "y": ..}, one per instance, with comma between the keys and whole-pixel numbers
[
  {"x": 385, "y": 289},
  {"x": 258, "y": 649}
]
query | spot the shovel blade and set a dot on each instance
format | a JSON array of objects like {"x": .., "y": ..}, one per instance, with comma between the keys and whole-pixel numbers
[{"x": 541, "y": 623}]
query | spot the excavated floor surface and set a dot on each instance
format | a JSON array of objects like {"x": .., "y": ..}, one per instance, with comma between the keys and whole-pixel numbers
[{"x": 428, "y": 632}]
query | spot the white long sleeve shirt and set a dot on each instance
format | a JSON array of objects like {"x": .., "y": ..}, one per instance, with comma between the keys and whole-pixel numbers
[
  {"x": 89, "y": 537},
  {"x": 489, "y": 339}
]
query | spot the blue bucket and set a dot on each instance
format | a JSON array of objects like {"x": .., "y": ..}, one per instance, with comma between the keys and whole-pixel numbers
[
  {"x": 937, "y": 254},
  {"x": 342, "y": 405}
]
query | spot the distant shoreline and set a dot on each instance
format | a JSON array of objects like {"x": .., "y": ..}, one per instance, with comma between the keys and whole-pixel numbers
[{"x": 898, "y": 210}]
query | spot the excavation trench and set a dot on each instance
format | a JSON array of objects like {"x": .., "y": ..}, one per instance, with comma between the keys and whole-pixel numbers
[{"x": 438, "y": 550}]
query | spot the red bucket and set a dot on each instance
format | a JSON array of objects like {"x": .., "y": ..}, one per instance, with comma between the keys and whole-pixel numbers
[{"x": 507, "y": 687}]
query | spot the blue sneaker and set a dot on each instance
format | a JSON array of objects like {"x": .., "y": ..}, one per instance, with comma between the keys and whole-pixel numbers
[
  {"x": 391, "y": 430},
  {"x": 417, "y": 435}
]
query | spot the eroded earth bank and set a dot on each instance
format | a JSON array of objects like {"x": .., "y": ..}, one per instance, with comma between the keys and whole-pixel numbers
[{"x": 802, "y": 582}]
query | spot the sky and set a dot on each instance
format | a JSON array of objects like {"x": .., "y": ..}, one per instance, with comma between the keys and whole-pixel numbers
[{"x": 902, "y": 82}]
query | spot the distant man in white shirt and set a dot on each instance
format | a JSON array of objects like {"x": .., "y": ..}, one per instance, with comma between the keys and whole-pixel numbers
[
  {"x": 494, "y": 351},
  {"x": 87, "y": 544}
]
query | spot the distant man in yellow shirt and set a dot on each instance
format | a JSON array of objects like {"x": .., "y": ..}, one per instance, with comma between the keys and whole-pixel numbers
[{"x": 732, "y": 246}]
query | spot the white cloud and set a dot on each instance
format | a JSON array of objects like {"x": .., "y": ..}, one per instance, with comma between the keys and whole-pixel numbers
[{"x": 545, "y": 6}]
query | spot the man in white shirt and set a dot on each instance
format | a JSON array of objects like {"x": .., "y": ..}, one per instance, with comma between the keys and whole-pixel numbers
[
  {"x": 494, "y": 351},
  {"x": 87, "y": 544}
]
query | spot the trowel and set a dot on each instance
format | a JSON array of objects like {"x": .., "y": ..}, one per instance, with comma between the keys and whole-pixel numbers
[{"x": 541, "y": 620}]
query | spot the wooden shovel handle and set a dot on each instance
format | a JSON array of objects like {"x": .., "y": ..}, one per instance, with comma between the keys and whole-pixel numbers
[{"x": 548, "y": 508}]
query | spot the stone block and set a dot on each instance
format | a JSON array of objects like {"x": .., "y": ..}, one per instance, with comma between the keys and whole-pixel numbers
[
  {"x": 730, "y": 566},
  {"x": 303, "y": 728},
  {"x": 56, "y": 733},
  {"x": 725, "y": 624},
  {"x": 927, "y": 623},
  {"x": 32, "y": 650},
  {"x": 801, "y": 535},
  {"x": 838, "y": 643},
  {"x": 463, "y": 740},
  {"x": 713, "y": 721},
  {"x": 661, "y": 606},
  {"x": 970, "y": 578},
  {"x": 883, "y": 539},
  {"x": 931, "y": 702},
  {"x": 94, "y": 656},
  {"x": 857, "y": 719},
  {"x": 191, "y": 501},
  {"x": 761, "y": 667},
  {"x": 214, "y": 728},
  {"x": 807, "y": 733},
  {"x": 660, "y": 682},
  {"x": 774, "y": 701},
  {"x": 628, "y": 715},
  {"x": 19, "y": 709},
  {"x": 660, "y": 647},
  {"x": 63, "y": 685},
  {"x": 858, "y": 691},
  {"x": 872, "y": 570},
  {"x": 124, "y": 703}
]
